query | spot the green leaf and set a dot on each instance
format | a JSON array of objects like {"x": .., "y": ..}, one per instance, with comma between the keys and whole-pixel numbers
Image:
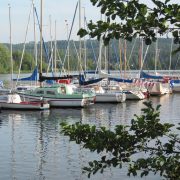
[
  {"x": 103, "y": 9},
  {"x": 82, "y": 33},
  {"x": 113, "y": 16},
  {"x": 166, "y": 1},
  {"x": 175, "y": 33},
  {"x": 91, "y": 164},
  {"x": 148, "y": 41}
]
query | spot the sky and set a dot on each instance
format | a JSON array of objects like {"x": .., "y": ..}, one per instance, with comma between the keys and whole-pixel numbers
[
  {"x": 61, "y": 11},
  {"x": 58, "y": 10}
]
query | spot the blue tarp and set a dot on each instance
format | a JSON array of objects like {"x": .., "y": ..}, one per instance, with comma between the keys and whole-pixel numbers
[
  {"x": 91, "y": 72},
  {"x": 83, "y": 82},
  {"x": 121, "y": 80},
  {"x": 177, "y": 81},
  {"x": 148, "y": 76},
  {"x": 50, "y": 82},
  {"x": 33, "y": 77}
]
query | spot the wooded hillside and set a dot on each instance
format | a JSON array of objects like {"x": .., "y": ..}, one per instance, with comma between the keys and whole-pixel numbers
[{"x": 92, "y": 51}]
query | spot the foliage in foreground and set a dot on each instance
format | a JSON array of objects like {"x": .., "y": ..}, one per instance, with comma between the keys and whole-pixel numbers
[{"x": 154, "y": 143}]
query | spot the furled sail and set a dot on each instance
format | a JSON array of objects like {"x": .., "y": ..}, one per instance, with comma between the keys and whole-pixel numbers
[
  {"x": 148, "y": 76},
  {"x": 33, "y": 77},
  {"x": 93, "y": 81}
]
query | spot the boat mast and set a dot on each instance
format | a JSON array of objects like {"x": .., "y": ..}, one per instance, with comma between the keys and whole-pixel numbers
[
  {"x": 40, "y": 73},
  {"x": 125, "y": 60},
  {"x": 170, "y": 56},
  {"x": 51, "y": 44},
  {"x": 80, "y": 45},
  {"x": 10, "y": 39},
  {"x": 156, "y": 54},
  {"x": 35, "y": 41},
  {"x": 106, "y": 60},
  {"x": 67, "y": 33},
  {"x": 120, "y": 57},
  {"x": 100, "y": 53},
  {"x": 140, "y": 54},
  {"x": 55, "y": 49},
  {"x": 85, "y": 52}
]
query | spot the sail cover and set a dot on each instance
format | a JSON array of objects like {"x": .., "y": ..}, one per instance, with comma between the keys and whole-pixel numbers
[
  {"x": 33, "y": 77},
  {"x": 83, "y": 82},
  {"x": 148, "y": 76}
]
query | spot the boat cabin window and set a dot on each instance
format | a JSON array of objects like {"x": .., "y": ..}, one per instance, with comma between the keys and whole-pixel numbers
[
  {"x": 63, "y": 90},
  {"x": 50, "y": 92},
  {"x": 40, "y": 92}
]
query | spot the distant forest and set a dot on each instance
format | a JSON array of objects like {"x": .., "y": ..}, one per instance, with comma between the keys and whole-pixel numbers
[{"x": 90, "y": 51}]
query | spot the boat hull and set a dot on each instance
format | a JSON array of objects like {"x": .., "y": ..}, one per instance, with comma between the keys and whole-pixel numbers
[
  {"x": 134, "y": 95},
  {"x": 110, "y": 97},
  {"x": 158, "y": 88},
  {"x": 60, "y": 102},
  {"x": 176, "y": 88},
  {"x": 13, "y": 101}
]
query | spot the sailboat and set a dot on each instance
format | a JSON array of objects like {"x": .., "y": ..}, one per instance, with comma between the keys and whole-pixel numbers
[
  {"x": 30, "y": 82},
  {"x": 126, "y": 86},
  {"x": 175, "y": 81},
  {"x": 150, "y": 84},
  {"x": 103, "y": 93},
  {"x": 12, "y": 100},
  {"x": 119, "y": 85},
  {"x": 155, "y": 85},
  {"x": 58, "y": 95}
]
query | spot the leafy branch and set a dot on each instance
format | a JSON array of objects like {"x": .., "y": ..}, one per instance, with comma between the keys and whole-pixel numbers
[
  {"x": 154, "y": 141},
  {"x": 128, "y": 19}
]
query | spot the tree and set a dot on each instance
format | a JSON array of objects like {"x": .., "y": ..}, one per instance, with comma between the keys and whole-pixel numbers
[
  {"x": 4, "y": 59},
  {"x": 145, "y": 136},
  {"x": 129, "y": 18},
  {"x": 28, "y": 62}
]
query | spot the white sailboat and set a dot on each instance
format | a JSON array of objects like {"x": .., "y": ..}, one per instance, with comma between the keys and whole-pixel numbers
[
  {"x": 108, "y": 96},
  {"x": 154, "y": 84},
  {"x": 175, "y": 82},
  {"x": 125, "y": 85},
  {"x": 103, "y": 93},
  {"x": 30, "y": 82},
  {"x": 11, "y": 100},
  {"x": 175, "y": 85}
]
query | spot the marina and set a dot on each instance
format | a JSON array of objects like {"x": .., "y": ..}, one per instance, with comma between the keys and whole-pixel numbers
[
  {"x": 90, "y": 90},
  {"x": 34, "y": 148}
]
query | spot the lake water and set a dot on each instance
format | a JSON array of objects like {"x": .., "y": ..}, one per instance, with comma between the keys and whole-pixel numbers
[{"x": 32, "y": 147}]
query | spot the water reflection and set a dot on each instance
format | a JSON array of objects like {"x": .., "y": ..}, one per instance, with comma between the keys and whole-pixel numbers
[
  {"x": 109, "y": 115},
  {"x": 33, "y": 147}
]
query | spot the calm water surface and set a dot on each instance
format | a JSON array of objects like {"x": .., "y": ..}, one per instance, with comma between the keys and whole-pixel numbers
[{"x": 32, "y": 147}]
